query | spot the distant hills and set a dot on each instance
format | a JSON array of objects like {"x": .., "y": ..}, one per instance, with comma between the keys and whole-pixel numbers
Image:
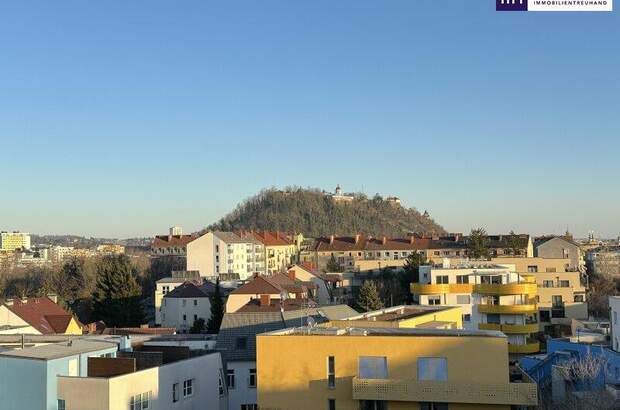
[{"x": 316, "y": 213}]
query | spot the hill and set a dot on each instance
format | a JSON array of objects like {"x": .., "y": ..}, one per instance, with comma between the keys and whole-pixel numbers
[{"x": 315, "y": 213}]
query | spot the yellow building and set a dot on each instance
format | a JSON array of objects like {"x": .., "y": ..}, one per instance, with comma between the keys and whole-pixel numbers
[
  {"x": 10, "y": 241},
  {"x": 281, "y": 249},
  {"x": 406, "y": 317},
  {"x": 379, "y": 368}
]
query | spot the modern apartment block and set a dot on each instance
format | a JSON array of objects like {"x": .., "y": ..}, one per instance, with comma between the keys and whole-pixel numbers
[
  {"x": 193, "y": 383},
  {"x": 377, "y": 368},
  {"x": 29, "y": 376},
  {"x": 10, "y": 241},
  {"x": 219, "y": 252},
  {"x": 493, "y": 297}
]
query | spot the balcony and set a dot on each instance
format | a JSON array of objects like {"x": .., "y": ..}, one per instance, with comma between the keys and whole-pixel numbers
[
  {"x": 507, "y": 309},
  {"x": 528, "y": 348},
  {"x": 512, "y": 329},
  {"x": 507, "y": 289},
  {"x": 525, "y": 394},
  {"x": 428, "y": 289}
]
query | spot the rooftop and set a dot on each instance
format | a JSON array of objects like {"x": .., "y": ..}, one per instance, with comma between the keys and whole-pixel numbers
[
  {"x": 401, "y": 312},
  {"x": 377, "y": 331},
  {"x": 59, "y": 350}
]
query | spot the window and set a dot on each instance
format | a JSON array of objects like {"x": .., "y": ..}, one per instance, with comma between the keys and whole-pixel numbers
[
  {"x": 434, "y": 300},
  {"x": 249, "y": 407},
  {"x": 220, "y": 385},
  {"x": 442, "y": 279},
  {"x": 462, "y": 299},
  {"x": 433, "y": 406},
  {"x": 62, "y": 405},
  {"x": 547, "y": 284},
  {"x": 140, "y": 401},
  {"x": 241, "y": 343},
  {"x": 73, "y": 367},
  {"x": 195, "y": 302},
  {"x": 184, "y": 318},
  {"x": 436, "y": 253},
  {"x": 184, "y": 302},
  {"x": 466, "y": 317},
  {"x": 545, "y": 316},
  {"x": 532, "y": 268},
  {"x": 331, "y": 404},
  {"x": 331, "y": 372},
  {"x": 252, "y": 378},
  {"x": 175, "y": 392},
  {"x": 373, "y": 405},
  {"x": 556, "y": 301},
  {"x": 188, "y": 387},
  {"x": 433, "y": 368},
  {"x": 564, "y": 284},
  {"x": 615, "y": 317},
  {"x": 493, "y": 318},
  {"x": 462, "y": 279},
  {"x": 195, "y": 318},
  {"x": 579, "y": 298},
  {"x": 549, "y": 269},
  {"x": 372, "y": 367},
  {"x": 230, "y": 378}
]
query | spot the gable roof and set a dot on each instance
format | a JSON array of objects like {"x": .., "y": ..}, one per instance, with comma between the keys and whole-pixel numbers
[
  {"x": 41, "y": 313},
  {"x": 172, "y": 241},
  {"x": 257, "y": 286},
  {"x": 276, "y": 238},
  {"x": 186, "y": 290},
  {"x": 544, "y": 239}
]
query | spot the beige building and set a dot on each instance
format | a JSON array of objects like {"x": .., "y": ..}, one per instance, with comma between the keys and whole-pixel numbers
[
  {"x": 281, "y": 249},
  {"x": 378, "y": 368},
  {"x": 10, "y": 241}
]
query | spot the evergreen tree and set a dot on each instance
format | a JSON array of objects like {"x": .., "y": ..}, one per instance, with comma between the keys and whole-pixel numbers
[
  {"x": 198, "y": 326},
  {"x": 411, "y": 273},
  {"x": 478, "y": 244},
  {"x": 333, "y": 265},
  {"x": 217, "y": 309},
  {"x": 117, "y": 297},
  {"x": 513, "y": 244},
  {"x": 73, "y": 281},
  {"x": 368, "y": 297}
]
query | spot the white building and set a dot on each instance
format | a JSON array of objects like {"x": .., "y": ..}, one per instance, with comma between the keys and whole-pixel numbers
[
  {"x": 166, "y": 285},
  {"x": 219, "y": 252},
  {"x": 10, "y": 241},
  {"x": 614, "y": 307},
  {"x": 186, "y": 304}
]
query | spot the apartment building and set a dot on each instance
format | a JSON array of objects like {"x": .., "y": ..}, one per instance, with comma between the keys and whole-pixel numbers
[
  {"x": 614, "y": 312},
  {"x": 560, "y": 247},
  {"x": 281, "y": 249},
  {"x": 379, "y": 368},
  {"x": 29, "y": 376},
  {"x": 11, "y": 241},
  {"x": 604, "y": 261},
  {"x": 184, "y": 305},
  {"x": 173, "y": 244},
  {"x": 406, "y": 317},
  {"x": 191, "y": 383},
  {"x": 562, "y": 295},
  {"x": 493, "y": 297},
  {"x": 41, "y": 316}
]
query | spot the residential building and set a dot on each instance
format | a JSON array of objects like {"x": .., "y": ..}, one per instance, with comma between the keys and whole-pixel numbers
[
  {"x": 604, "y": 261},
  {"x": 184, "y": 305},
  {"x": 43, "y": 315},
  {"x": 110, "y": 249},
  {"x": 166, "y": 285},
  {"x": 614, "y": 312},
  {"x": 173, "y": 244},
  {"x": 561, "y": 296},
  {"x": 277, "y": 286},
  {"x": 560, "y": 247},
  {"x": 377, "y": 368},
  {"x": 216, "y": 253},
  {"x": 189, "y": 383},
  {"x": 407, "y": 317},
  {"x": 324, "y": 284},
  {"x": 237, "y": 343},
  {"x": 493, "y": 297},
  {"x": 10, "y": 241},
  {"x": 29, "y": 376},
  {"x": 280, "y": 249}
]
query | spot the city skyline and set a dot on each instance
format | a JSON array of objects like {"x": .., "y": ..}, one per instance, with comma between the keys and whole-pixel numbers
[{"x": 119, "y": 120}]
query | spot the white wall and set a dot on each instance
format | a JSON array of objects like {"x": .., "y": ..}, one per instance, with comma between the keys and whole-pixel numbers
[
  {"x": 200, "y": 255},
  {"x": 241, "y": 393},
  {"x": 160, "y": 290},
  {"x": 173, "y": 309}
]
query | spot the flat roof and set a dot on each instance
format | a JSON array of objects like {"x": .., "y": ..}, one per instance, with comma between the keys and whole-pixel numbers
[
  {"x": 401, "y": 312},
  {"x": 59, "y": 350},
  {"x": 376, "y": 331}
]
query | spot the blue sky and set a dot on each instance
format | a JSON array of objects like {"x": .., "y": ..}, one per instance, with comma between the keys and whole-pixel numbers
[{"x": 121, "y": 118}]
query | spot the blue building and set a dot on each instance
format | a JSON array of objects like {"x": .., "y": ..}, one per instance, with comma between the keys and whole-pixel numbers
[{"x": 28, "y": 376}]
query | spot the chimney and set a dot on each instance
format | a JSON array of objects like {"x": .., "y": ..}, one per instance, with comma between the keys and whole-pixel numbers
[
  {"x": 357, "y": 238},
  {"x": 8, "y": 302},
  {"x": 291, "y": 274},
  {"x": 411, "y": 240},
  {"x": 265, "y": 300},
  {"x": 24, "y": 300},
  {"x": 384, "y": 240},
  {"x": 53, "y": 297},
  {"x": 331, "y": 239}
]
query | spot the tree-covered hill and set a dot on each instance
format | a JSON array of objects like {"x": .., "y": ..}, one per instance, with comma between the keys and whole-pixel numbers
[{"x": 315, "y": 213}]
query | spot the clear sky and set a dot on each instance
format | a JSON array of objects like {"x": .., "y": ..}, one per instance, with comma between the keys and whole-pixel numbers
[{"x": 121, "y": 118}]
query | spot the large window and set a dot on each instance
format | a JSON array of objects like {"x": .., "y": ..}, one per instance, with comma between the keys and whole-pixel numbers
[
  {"x": 230, "y": 378},
  {"x": 331, "y": 404},
  {"x": 252, "y": 378},
  {"x": 434, "y": 300},
  {"x": 373, "y": 367},
  {"x": 188, "y": 387},
  {"x": 249, "y": 407},
  {"x": 441, "y": 279},
  {"x": 62, "y": 405},
  {"x": 462, "y": 279},
  {"x": 433, "y": 368},
  {"x": 140, "y": 401},
  {"x": 433, "y": 406},
  {"x": 373, "y": 405},
  {"x": 331, "y": 372}
]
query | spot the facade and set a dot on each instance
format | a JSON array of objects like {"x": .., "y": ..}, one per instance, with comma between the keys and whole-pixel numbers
[
  {"x": 560, "y": 247},
  {"x": 493, "y": 297},
  {"x": 614, "y": 312},
  {"x": 10, "y": 241},
  {"x": 184, "y": 305},
  {"x": 191, "y": 384},
  {"x": 219, "y": 252},
  {"x": 604, "y": 261},
  {"x": 407, "y": 317},
  {"x": 29, "y": 376},
  {"x": 43, "y": 315},
  {"x": 323, "y": 291},
  {"x": 377, "y": 368},
  {"x": 173, "y": 244},
  {"x": 281, "y": 249}
]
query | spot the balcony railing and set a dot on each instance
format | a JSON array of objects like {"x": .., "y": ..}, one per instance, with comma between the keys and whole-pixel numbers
[
  {"x": 528, "y": 348},
  {"x": 512, "y": 329},
  {"x": 507, "y": 309},
  {"x": 429, "y": 289},
  {"x": 448, "y": 392},
  {"x": 506, "y": 289}
]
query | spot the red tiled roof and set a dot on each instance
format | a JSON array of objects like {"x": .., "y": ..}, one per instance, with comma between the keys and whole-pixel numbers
[
  {"x": 276, "y": 238},
  {"x": 42, "y": 314},
  {"x": 276, "y": 305},
  {"x": 172, "y": 241},
  {"x": 259, "y": 285}
]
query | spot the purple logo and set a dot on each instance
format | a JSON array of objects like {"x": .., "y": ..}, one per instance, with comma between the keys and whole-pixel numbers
[{"x": 511, "y": 5}]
